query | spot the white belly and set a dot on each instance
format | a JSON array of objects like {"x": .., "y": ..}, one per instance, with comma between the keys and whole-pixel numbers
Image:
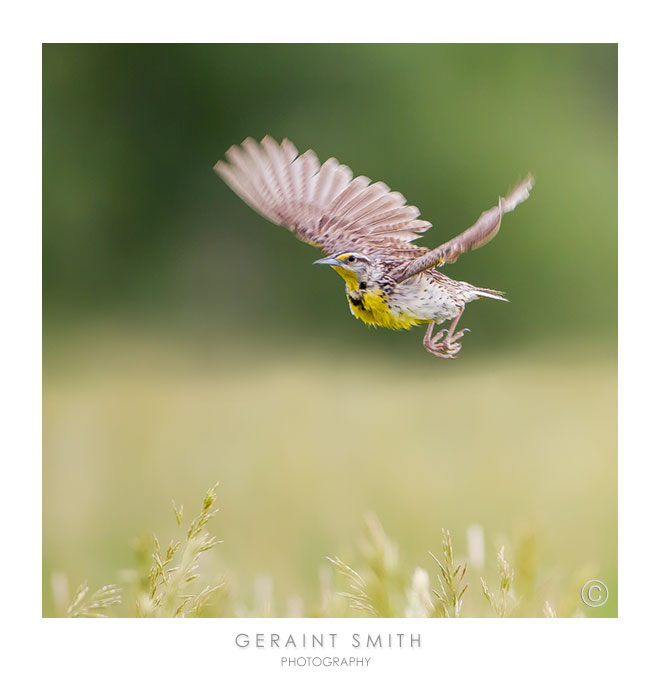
[{"x": 425, "y": 300}]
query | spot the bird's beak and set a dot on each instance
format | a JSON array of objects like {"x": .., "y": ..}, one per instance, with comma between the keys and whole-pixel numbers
[{"x": 328, "y": 261}]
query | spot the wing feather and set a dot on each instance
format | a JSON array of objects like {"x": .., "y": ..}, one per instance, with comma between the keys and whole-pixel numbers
[
  {"x": 273, "y": 164},
  {"x": 267, "y": 180},
  {"x": 479, "y": 234},
  {"x": 321, "y": 204}
]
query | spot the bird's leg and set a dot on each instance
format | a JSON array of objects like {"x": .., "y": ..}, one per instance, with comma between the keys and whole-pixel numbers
[
  {"x": 435, "y": 347},
  {"x": 444, "y": 344}
]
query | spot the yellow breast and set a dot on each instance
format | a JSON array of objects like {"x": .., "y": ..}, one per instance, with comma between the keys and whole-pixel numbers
[
  {"x": 371, "y": 306},
  {"x": 373, "y": 309}
]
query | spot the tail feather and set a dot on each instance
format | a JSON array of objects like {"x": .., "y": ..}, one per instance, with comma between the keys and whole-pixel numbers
[{"x": 484, "y": 293}]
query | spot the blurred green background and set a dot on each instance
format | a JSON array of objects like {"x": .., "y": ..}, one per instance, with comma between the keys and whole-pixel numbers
[{"x": 187, "y": 340}]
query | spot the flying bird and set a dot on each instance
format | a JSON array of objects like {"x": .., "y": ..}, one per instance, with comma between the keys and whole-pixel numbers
[{"x": 367, "y": 232}]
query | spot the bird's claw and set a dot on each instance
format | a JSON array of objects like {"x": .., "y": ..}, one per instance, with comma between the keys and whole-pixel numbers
[
  {"x": 445, "y": 347},
  {"x": 444, "y": 351}
]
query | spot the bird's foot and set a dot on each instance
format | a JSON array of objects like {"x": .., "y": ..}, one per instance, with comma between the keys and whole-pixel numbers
[{"x": 444, "y": 345}]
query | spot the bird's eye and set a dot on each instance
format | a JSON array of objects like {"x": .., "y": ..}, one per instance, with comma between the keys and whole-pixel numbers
[{"x": 350, "y": 259}]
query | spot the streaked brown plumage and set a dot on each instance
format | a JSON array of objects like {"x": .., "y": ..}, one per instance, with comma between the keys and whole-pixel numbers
[{"x": 367, "y": 232}]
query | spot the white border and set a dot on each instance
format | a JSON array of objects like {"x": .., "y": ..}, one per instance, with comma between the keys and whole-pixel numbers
[{"x": 513, "y": 650}]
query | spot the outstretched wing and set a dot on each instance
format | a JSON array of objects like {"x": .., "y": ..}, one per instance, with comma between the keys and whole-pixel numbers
[
  {"x": 322, "y": 205},
  {"x": 482, "y": 232},
  {"x": 487, "y": 225}
]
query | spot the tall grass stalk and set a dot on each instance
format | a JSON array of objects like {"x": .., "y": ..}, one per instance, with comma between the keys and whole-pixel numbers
[
  {"x": 171, "y": 583},
  {"x": 93, "y": 605},
  {"x": 173, "y": 575},
  {"x": 501, "y": 601},
  {"x": 449, "y": 598}
]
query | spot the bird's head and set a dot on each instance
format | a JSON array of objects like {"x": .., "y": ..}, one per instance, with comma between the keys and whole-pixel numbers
[{"x": 353, "y": 267}]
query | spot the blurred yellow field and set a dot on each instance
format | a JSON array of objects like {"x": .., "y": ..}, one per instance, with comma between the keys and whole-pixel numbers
[{"x": 304, "y": 445}]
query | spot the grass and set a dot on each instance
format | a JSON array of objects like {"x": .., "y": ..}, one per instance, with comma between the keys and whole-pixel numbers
[
  {"x": 449, "y": 597},
  {"x": 95, "y": 605},
  {"x": 502, "y": 601},
  {"x": 516, "y": 451},
  {"x": 171, "y": 590},
  {"x": 173, "y": 586}
]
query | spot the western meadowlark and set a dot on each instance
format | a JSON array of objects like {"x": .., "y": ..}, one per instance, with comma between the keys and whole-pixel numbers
[{"x": 367, "y": 231}]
